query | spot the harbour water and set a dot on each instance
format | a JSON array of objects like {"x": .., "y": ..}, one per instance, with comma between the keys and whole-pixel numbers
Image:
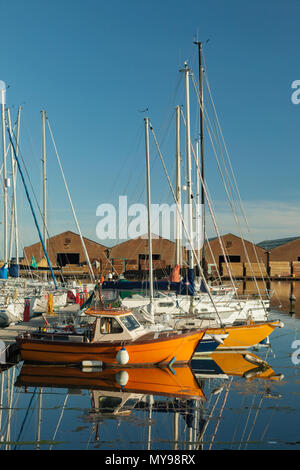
[{"x": 228, "y": 402}]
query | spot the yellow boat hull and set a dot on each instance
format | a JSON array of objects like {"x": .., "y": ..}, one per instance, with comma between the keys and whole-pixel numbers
[{"x": 244, "y": 336}]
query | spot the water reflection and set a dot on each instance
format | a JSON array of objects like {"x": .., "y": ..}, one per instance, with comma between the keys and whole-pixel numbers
[
  {"x": 285, "y": 294},
  {"x": 144, "y": 408},
  {"x": 225, "y": 400}
]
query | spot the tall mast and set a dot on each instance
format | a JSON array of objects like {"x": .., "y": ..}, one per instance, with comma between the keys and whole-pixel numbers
[
  {"x": 4, "y": 172},
  {"x": 15, "y": 183},
  {"x": 199, "y": 44},
  {"x": 198, "y": 205},
  {"x": 188, "y": 167},
  {"x": 178, "y": 260},
  {"x": 44, "y": 177},
  {"x": 13, "y": 223},
  {"x": 149, "y": 212}
]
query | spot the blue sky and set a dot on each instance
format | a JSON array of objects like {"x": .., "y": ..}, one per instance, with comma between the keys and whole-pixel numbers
[{"x": 94, "y": 66}]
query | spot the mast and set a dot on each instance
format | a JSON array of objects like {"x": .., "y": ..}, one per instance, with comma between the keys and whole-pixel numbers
[
  {"x": 5, "y": 181},
  {"x": 13, "y": 205},
  {"x": 44, "y": 177},
  {"x": 32, "y": 209},
  {"x": 15, "y": 185},
  {"x": 198, "y": 204},
  {"x": 199, "y": 44},
  {"x": 149, "y": 213},
  {"x": 178, "y": 260},
  {"x": 188, "y": 167}
]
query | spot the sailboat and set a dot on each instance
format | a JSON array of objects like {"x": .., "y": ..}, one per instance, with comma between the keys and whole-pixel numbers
[{"x": 217, "y": 320}]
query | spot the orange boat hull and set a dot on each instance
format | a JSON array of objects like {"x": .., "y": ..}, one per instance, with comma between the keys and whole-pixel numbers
[
  {"x": 159, "y": 350},
  {"x": 244, "y": 336},
  {"x": 150, "y": 380}
]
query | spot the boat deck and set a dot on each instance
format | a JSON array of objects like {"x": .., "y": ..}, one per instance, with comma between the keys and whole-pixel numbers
[{"x": 8, "y": 334}]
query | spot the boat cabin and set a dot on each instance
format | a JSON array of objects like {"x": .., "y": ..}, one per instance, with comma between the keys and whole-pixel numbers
[{"x": 115, "y": 325}]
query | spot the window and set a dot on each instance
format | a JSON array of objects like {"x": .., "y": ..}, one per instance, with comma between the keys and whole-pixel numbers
[
  {"x": 109, "y": 404},
  {"x": 109, "y": 325},
  {"x": 67, "y": 258},
  {"x": 143, "y": 256},
  {"x": 230, "y": 259},
  {"x": 130, "y": 322},
  {"x": 166, "y": 304}
]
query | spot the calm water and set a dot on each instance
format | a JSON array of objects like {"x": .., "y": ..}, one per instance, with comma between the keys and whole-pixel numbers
[{"x": 235, "y": 405}]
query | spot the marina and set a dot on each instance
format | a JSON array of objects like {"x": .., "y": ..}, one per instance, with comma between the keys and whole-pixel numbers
[
  {"x": 149, "y": 259},
  {"x": 224, "y": 400}
]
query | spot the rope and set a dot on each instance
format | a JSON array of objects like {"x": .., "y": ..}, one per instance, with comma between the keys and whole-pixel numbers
[{"x": 72, "y": 207}]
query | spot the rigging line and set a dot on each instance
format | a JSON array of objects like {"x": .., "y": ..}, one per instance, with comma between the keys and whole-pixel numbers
[
  {"x": 212, "y": 215},
  {"x": 25, "y": 418},
  {"x": 32, "y": 210},
  {"x": 233, "y": 174},
  {"x": 221, "y": 412},
  {"x": 143, "y": 190},
  {"x": 18, "y": 152},
  {"x": 231, "y": 188},
  {"x": 234, "y": 213},
  {"x": 184, "y": 226},
  {"x": 60, "y": 418},
  {"x": 72, "y": 207}
]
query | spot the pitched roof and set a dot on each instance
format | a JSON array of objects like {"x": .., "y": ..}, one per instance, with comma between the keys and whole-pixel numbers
[{"x": 270, "y": 244}]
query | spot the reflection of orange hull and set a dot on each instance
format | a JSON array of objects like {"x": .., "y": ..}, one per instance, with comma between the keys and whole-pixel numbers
[
  {"x": 149, "y": 349},
  {"x": 242, "y": 364},
  {"x": 244, "y": 336},
  {"x": 154, "y": 381}
]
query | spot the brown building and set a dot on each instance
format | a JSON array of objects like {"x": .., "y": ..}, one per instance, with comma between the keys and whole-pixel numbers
[
  {"x": 284, "y": 256},
  {"x": 243, "y": 257},
  {"x": 133, "y": 254},
  {"x": 66, "y": 250}
]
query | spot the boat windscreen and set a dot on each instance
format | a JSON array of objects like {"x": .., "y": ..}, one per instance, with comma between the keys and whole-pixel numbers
[{"x": 130, "y": 322}]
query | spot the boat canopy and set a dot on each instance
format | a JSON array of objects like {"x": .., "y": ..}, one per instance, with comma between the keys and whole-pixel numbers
[{"x": 185, "y": 286}]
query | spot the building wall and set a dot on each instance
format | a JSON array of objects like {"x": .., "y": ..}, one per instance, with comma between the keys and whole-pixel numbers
[
  {"x": 233, "y": 246},
  {"x": 131, "y": 249},
  {"x": 287, "y": 252},
  {"x": 66, "y": 242}
]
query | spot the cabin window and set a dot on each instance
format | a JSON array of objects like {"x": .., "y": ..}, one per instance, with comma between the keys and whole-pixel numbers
[
  {"x": 166, "y": 304},
  {"x": 109, "y": 404},
  {"x": 109, "y": 325},
  {"x": 130, "y": 322}
]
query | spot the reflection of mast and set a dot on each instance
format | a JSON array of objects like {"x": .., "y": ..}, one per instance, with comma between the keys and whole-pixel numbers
[
  {"x": 151, "y": 402},
  {"x": 38, "y": 434}
]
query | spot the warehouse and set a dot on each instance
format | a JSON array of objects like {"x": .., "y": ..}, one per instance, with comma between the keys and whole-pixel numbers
[
  {"x": 284, "y": 256},
  {"x": 244, "y": 259},
  {"x": 66, "y": 252},
  {"x": 133, "y": 255},
  {"x": 229, "y": 256}
]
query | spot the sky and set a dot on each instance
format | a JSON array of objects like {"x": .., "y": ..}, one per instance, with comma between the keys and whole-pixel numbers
[{"x": 99, "y": 68}]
